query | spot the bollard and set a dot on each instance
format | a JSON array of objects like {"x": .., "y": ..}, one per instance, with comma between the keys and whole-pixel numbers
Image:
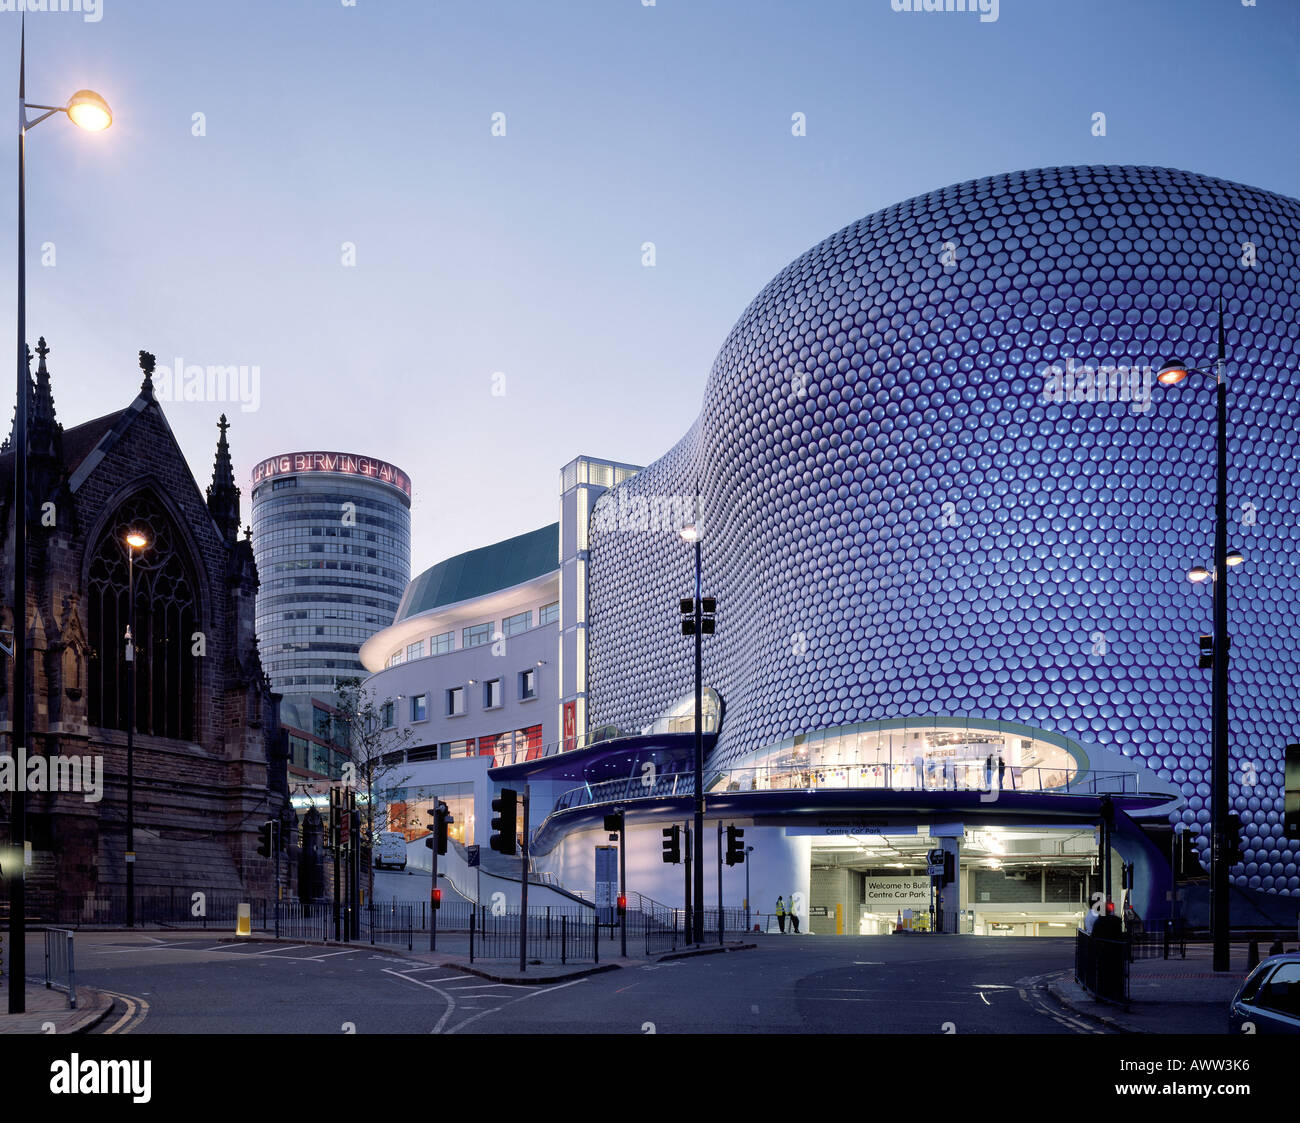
[
  {"x": 243, "y": 921},
  {"x": 1252, "y": 956}
]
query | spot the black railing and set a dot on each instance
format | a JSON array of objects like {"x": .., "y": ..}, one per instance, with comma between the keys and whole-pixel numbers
[
  {"x": 60, "y": 963},
  {"x": 1101, "y": 966}
]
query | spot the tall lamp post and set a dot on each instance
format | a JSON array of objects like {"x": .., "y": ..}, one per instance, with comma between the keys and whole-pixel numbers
[
  {"x": 134, "y": 541},
  {"x": 697, "y": 619},
  {"x": 89, "y": 111},
  {"x": 1215, "y": 656}
]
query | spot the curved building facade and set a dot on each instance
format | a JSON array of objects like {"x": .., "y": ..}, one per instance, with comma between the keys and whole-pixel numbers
[
  {"x": 938, "y": 483},
  {"x": 332, "y": 538}
]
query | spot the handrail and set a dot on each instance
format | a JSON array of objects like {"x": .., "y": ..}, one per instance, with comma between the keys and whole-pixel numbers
[{"x": 1047, "y": 781}]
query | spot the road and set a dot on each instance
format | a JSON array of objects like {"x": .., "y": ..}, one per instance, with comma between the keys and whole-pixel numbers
[{"x": 195, "y": 983}]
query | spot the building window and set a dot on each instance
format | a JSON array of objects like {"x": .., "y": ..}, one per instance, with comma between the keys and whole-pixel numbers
[
  {"x": 477, "y": 635},
  {"x": 440, "y": 645},
  {"x": 398, "y": 657},
  {"x": 415, "y": 650},
  {"x": 280, "y": 485},
  {"x": 419, "y": 707},
  {"x": 549, "y": 613},
  {"x": 527, "y": 684},
  {"x": 388, "y": 716},
  {"x": 520, "y": 622},
  {"x": 455, "y": 701},
  {"x": 166, "y": 609},
  {"x": 321, "y": 723},
  {"x": 492, "y": 694}
]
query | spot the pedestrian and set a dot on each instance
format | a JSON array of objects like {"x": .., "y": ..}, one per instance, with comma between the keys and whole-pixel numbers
[
  {"x": 794, "y": 916},
  {"x": 780, "y": 913},
  {"x": 988, "y": 771},
  {"x": 947, "y": 773},
  {"x": 1002, "y": 770}
]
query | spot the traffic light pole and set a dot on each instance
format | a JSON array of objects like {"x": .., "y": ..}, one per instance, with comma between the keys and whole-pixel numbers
[
  {"x": 523, "y": 891},
  {"x": 698, "y": 928},
  {"x": 336, "y": 838},
  {"x": 1219, "y": 760},
  {"x": 622, "y": 880},
  {"x": 688, "y": 927},
  {"x": 720, "y": 939},
  {"x": 433, "y": 888},
  {"x": 276, "y": 835}
]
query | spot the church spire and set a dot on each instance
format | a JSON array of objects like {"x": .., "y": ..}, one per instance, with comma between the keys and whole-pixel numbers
[
  {"x": 223, "y": 495},
  {"x": 147, "y": 365},
  {"x": 42, "y": 404}
]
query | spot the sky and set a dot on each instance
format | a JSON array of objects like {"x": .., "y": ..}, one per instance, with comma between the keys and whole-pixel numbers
[{"x": 313, "y": 189}]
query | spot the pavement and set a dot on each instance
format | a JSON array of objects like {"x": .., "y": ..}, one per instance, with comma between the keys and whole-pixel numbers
[
  {"x": 47, "y": 1011},
  {"x": 1170, "y": 996}
]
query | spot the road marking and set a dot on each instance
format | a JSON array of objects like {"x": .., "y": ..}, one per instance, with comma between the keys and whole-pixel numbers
[
  {"x": 487, "y": 986},
  {"x": 521, "y": 998},
  {"x": 986, "y": 1001},
  {"x": 326, "y": 955},
  {"x": 128, "y": 1021},
  {"x": 451, "y": 1002}
]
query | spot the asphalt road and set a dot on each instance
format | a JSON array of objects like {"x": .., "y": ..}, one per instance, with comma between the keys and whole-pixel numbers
[{"x": 192, "y": 983}]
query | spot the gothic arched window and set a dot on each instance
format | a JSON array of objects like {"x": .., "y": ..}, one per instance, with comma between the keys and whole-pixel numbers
[{"x": 166, "y": 619}]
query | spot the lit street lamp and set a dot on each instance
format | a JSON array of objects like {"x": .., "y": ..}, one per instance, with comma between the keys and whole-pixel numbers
[
  {"x": 134, "y": 541},
  {"x": 1172, "y": 373},
  {"x": 86, "y": 110}
]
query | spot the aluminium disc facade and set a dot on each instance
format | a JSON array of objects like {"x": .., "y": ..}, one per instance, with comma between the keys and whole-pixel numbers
[{"x": 937, "y": 478}]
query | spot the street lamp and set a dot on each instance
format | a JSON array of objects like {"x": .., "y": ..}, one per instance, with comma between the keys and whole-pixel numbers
[
  {"x": 134, "y": 541},
  {"x": 695, "y": 625},
  {"x": 89, "y": 111},
  {"x": 1171, "y": 373}
]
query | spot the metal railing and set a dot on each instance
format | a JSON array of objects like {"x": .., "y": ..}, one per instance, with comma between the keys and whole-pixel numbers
[
  {"x": 60, "y": 963},
  {"x": 1051, "y": 781},
  {"x": 1101, "y": 966}
]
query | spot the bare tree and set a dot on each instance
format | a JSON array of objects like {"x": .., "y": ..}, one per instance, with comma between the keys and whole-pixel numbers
[{"x": 377, "y": 749}]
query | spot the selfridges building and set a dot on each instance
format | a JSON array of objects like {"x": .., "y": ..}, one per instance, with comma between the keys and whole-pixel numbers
[{"x": 939, "y": 485}]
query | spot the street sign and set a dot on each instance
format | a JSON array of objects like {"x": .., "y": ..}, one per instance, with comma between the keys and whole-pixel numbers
[{"x": 471, "y": 856}]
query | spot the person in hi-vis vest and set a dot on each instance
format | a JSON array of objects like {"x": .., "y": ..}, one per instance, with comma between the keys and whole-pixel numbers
[{"x": 780, "y": 913}]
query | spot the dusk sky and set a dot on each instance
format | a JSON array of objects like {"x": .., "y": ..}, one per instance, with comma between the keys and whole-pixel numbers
[{"x": 327, "y": 124}]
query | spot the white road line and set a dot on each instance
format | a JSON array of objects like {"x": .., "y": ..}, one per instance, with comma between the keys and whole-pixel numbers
[
  {"x": 521, "y": 998},
  {"x": 326, "y": 955},
  {"x": 451, "y": 1002},
  {"x": 487, "y": 986}
]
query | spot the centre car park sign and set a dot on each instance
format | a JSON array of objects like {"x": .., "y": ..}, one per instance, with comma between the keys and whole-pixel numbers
[
  {"x": 824, "y": 828},
  {"x": 889, "y": 894}
]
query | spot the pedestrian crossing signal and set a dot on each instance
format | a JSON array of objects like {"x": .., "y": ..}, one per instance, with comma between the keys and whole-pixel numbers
[
  {"x": 265, "y": 834},
  {"x": 735, "y": 846},
  {"x": 672, "y": 845}
]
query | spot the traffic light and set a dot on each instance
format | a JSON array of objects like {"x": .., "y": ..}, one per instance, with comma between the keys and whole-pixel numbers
[
  {"x": 708, "y": 607},
  {"x": 735, "y": 846},
  {"x": 949, "y": 867},
  {"x": 505, "y": 807},
  {"x": 444, "y": 818},
  {"x": 1233, "y": 851},
  {"x": 1108, "y": 811},
  {"x": 622, "y": 904},
  {"x": 672, "y": 845},
  {"x": 266, "y": 847},
  {"x": 614, "y": 821},
  {"x": 435, "y": 898},
  {"x": 1126, "y": 875},
  {"x": 1206, "y": 660}
]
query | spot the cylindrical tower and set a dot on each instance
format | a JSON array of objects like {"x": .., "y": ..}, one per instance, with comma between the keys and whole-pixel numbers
[{"x": 332, "y": 538}]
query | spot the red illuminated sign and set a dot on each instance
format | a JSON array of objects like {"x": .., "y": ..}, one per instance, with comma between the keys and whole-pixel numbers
[{"x": 341, "y": 463}]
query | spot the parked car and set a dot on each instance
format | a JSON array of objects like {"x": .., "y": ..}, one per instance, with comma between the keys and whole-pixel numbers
[
  {"x": 391, "y": 851},
  {"x": 1269, "y": 1000}
]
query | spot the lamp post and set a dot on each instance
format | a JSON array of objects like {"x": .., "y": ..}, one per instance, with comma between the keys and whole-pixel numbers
[
  {"x": 86, "y": 110},
  {"x": 691, "y": 533},
  {"x": 134, "y": 541},
  {"x": 1171, "y": 373}
]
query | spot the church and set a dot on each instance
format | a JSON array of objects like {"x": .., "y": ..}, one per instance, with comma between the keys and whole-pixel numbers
[{"x": 209, "y": 761}]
